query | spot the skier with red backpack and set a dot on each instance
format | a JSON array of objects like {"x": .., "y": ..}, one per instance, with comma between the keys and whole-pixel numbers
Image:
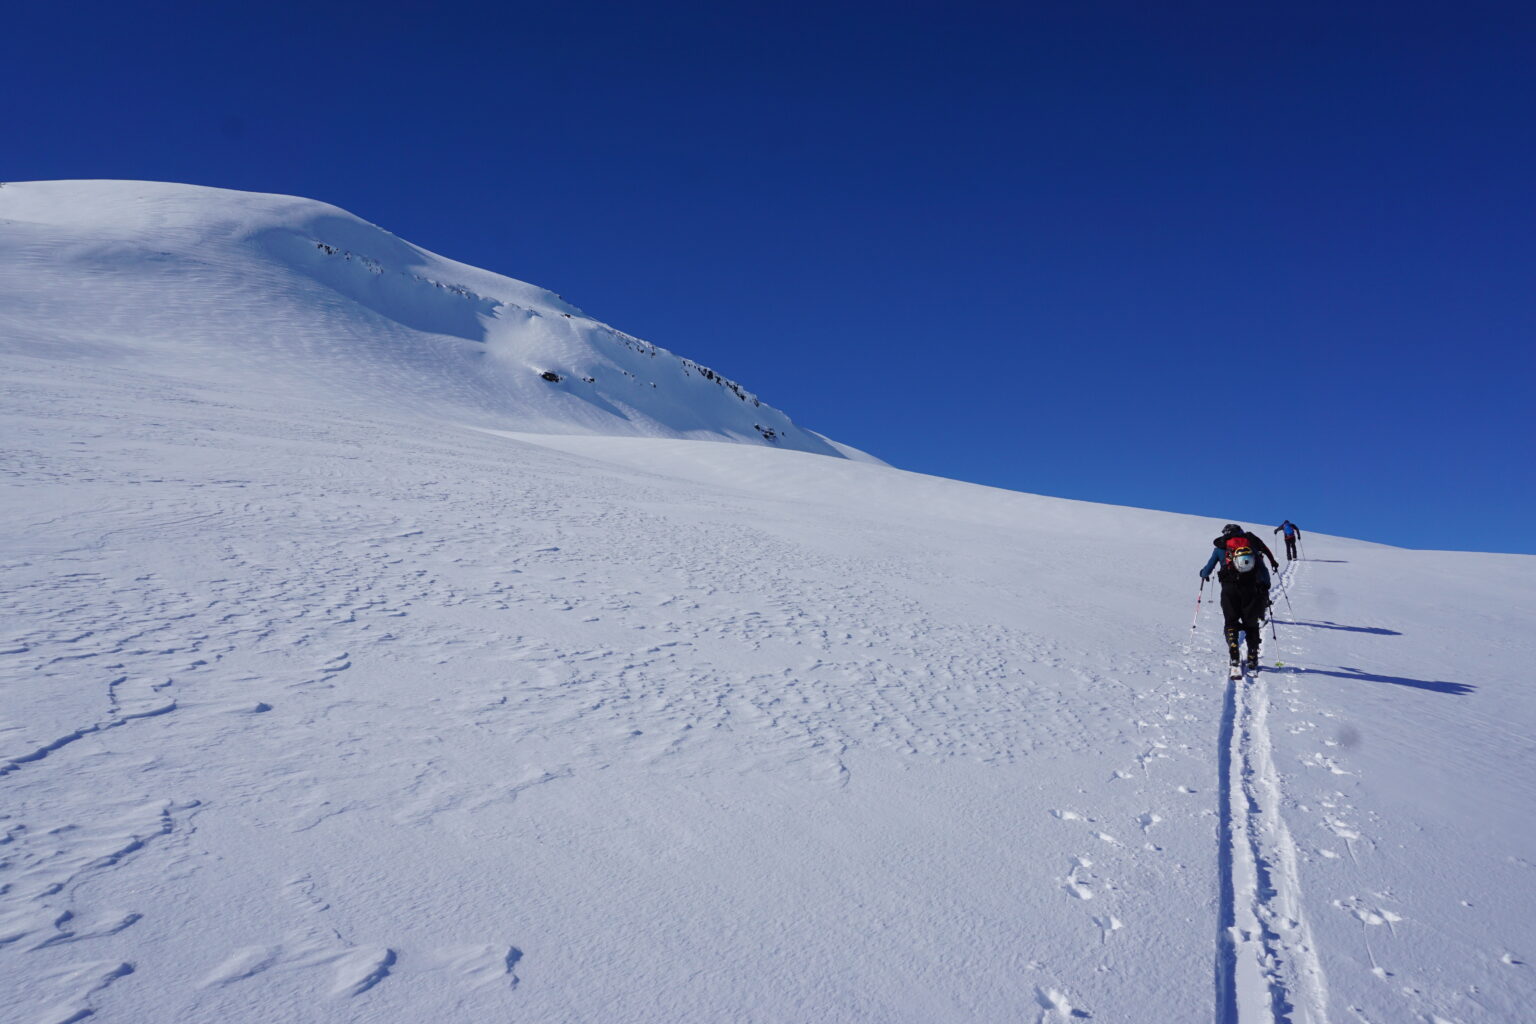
[{"x": 1244, "y": 587}]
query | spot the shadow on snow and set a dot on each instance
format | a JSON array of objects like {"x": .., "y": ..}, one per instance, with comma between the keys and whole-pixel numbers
[
  {"x": 1434, "y": 685},
  {"x": 1325, "y": 624}
]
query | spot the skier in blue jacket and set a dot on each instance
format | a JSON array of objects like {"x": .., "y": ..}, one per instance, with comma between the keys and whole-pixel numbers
[{"x": 1292, "y": 535}]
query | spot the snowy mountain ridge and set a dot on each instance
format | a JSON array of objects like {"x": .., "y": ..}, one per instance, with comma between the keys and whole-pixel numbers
[{"x": 208, "y": 283}]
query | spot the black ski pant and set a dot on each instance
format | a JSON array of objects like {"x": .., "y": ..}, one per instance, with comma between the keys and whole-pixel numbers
[
  {"x": 1243, "y": 605},
  {"x": 1290, "y": 546}
]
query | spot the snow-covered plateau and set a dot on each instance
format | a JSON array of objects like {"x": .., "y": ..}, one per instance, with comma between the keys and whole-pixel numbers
[{"x": 352, "y": 669}]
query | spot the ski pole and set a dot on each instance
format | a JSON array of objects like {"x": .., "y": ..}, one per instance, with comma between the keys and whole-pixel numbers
[
  {"x": 1285, "y": 592},
  {"x": 1198, "y": 596}
]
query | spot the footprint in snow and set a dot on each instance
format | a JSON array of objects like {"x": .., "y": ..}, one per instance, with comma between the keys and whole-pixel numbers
[
  {"x": 1320, "y": 761},
  {"x": 1342, "y": 830},
  {"x": 1075, "y": 885},
  {"x": 1054, "y": 1003},
  {"x": 1108, "y": 925},
  {"x": 1372, "y": 916}
]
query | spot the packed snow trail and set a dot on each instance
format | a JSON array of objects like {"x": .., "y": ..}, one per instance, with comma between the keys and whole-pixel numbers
[{"x": 1267, "y": 966}]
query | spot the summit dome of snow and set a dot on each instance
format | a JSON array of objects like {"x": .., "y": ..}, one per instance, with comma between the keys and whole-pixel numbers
[{"x": 271, "y": 291}]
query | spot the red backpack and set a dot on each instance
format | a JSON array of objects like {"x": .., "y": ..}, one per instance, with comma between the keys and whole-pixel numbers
[{"x": 1239, "y": 544}]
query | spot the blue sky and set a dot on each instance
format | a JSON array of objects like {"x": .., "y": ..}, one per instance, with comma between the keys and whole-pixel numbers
[{"x": 1251, "y": 264}]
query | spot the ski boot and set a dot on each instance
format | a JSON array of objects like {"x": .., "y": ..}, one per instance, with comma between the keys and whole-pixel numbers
[{"x": 1252, "y": 664}]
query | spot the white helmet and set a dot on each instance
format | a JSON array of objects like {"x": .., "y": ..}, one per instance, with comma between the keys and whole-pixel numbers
[{"x": 1243, "y": 560}]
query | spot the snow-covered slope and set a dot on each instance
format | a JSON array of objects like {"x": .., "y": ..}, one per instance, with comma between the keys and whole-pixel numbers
[
  {"x": 313, "y": 708},
  {"x": 273, "y": 293}
]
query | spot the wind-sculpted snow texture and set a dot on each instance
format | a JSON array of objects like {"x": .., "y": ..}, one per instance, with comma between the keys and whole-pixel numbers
[
  {"x": 312, "y": 716},
  {"x": 317, "y": 709}
]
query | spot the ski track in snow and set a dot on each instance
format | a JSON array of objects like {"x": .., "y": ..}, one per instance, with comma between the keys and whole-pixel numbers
[
  {"x": 1268, "y": 968},
  {"x": 1273, "y": 944}
]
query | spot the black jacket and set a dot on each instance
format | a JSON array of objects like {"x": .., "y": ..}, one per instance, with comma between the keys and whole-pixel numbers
[{"x": 1229, "y": 575}]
